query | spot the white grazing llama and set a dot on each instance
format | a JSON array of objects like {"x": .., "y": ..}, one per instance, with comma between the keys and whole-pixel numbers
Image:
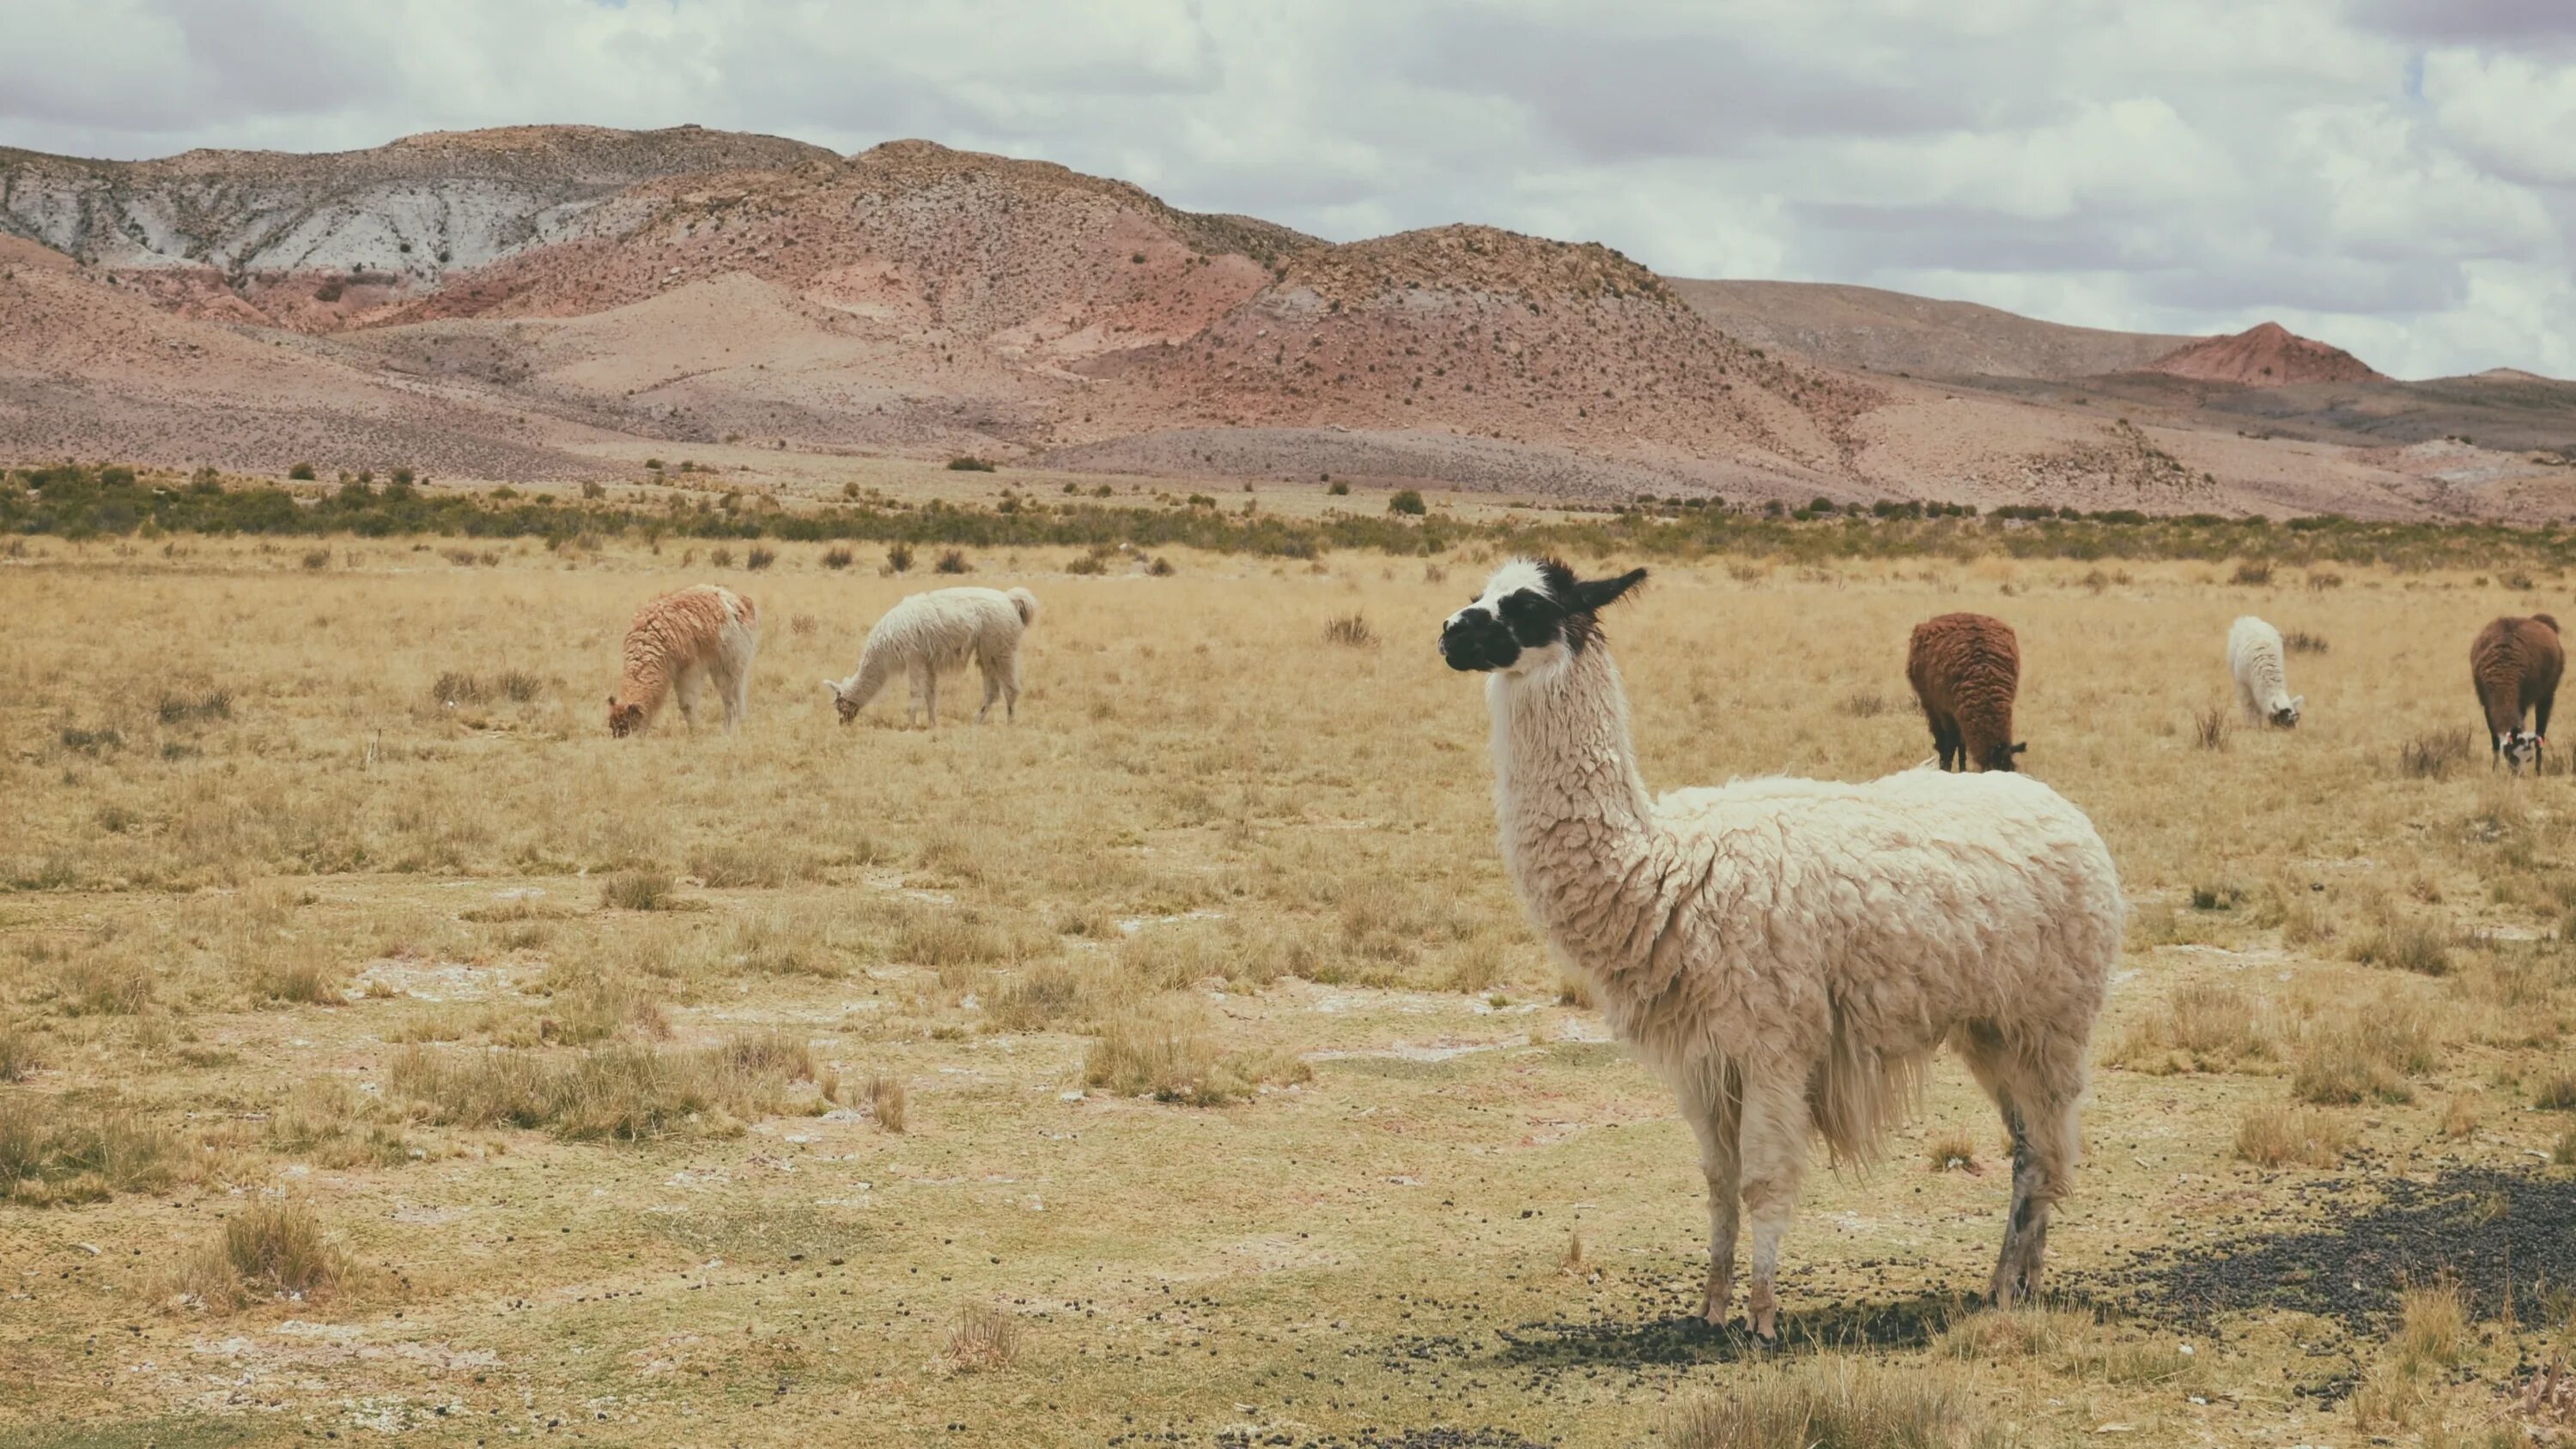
[
  {"x": 2254, "y": 656},
  {"x": 677, "y": 642},
  {"x": 941, "y": 630},
  {"x": 1787, "y": 953}
]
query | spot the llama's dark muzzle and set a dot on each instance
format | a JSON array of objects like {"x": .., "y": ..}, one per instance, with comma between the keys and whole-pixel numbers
[{"x": 1474, "y": 639}]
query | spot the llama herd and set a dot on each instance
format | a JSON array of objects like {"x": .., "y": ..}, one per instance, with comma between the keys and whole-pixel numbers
[
  {"x": 1786, "y": 953},
  {"x": 682, "y": 639}
]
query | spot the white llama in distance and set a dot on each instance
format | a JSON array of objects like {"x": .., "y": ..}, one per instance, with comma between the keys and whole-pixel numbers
[
  {"x": 2256, "y": 658},
  {"x": 936, "y": 632}
]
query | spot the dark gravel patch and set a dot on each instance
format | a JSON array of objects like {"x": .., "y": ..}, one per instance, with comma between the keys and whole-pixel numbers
[
  {"x": 1409, "y": 1439},
  {"x": 2496, "y": 1232}
]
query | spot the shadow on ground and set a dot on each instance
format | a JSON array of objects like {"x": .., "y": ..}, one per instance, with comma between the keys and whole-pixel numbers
[{"x": 2505, "y": 1237}]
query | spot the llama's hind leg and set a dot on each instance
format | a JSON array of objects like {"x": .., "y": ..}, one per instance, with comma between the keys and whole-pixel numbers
[
  {"x": 1714, "y": 1105},
  {"x": 2036, "y": 1085},
  {"x": 1945, "y": 738},
  {"x": 992, "y": 692},
  {"x": 1772, "y": 1142}
]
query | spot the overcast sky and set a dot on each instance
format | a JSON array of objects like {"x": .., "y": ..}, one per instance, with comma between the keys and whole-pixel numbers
[{"x": 2394, "y": 176}]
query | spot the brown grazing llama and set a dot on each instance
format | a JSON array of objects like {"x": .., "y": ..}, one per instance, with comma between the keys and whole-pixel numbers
[
  {"x": 2514, "y": 666},
  {"x": 678, "y": 642},
  {"x": 1964, "y": 668}
]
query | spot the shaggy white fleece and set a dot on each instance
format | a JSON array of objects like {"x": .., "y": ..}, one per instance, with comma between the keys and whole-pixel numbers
[
  {"x": 2255, "y": 658},
  {"x": 1788, "y": 952},
  {"x": 939, "y": 632}
]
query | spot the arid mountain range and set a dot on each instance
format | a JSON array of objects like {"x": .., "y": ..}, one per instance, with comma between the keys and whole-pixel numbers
[{"x": 554, "y": 303}]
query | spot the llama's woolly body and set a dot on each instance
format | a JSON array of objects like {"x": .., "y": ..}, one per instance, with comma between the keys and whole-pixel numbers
[
  {"x": 2514, "y": 666},
  {"x": 1965, "y": 669},
  {"x": 2256, "y": 658},
  {"x": 677, "y": 643},
  {"x": 1788, "y": 952},
  {"x": 939, "y": 632},
  {"x": 1832, "y": 932}
]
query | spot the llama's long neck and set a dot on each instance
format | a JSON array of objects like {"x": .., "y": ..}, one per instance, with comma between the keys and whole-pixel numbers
[
  {"x": 1577, "y": 830},
  {"x": 647, "y": 678}
]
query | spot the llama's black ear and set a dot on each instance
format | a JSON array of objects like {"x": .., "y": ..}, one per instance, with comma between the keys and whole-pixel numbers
[
  {"x": 1593, "y": 595},
  {"x": 2020, "y": 749}
]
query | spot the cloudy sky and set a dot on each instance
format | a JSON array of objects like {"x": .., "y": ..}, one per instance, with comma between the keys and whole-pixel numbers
[{"x": 2395, "y": 176}]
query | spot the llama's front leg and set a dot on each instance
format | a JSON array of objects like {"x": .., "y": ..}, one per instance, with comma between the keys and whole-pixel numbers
[
  {"x": 1011, "y": 690},
  {"x": 684, "y": 689},
  {"x": 992, "y": 691},
  {"x": 1773, "y": 1146},
  {"x": 912, "y": 705},
  {"x": 930, "y": 695},
  {"x": 1714, "y": 1111}
]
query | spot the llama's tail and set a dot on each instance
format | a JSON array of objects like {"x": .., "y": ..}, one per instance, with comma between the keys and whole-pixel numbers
[{"x": 1027, "y": 604}]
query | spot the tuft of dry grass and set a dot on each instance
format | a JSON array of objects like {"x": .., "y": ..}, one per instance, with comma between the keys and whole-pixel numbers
[
  {"x": 2202, "y": 1026},
  {"x": 2272, "y": 1135},
  {"x": 79, "y": 1149},
  {"x": 2407, "y": 944},
  {"x": 767, "y": 862},
  {"x": 1575, "y": 1262},
  {"x": 1045, "y": 996},
  {"x": 1350, "y": 631},
  {"x": 888, "y": 1103},
  {"x": 96, "y": 983},
  {"x": 2432, "y": 1325},
  {"x": 326, "y": 1123},
  {"x": 1954, "y": 1150},
  {"x": 2364, "y": 1053},
  {"x": 20, "y": 1055},
  {"x": 637, "y": 890},
  {"x": 301, "y": 977},
  {"x": 274, "y": 1248},
  {"x": 2209, "y": 728},
  {"x": 981, "y": 1339},
  {"x": 2065, "y": 1341},
  {"x": 619, "y": 1092},
  {"x": 1836, "y": 1401},
  {"x": 1158, "y": 1050},
  {"x": 2555, "y": 1091},
  {"x": 1866, "y": 704},
  {"x": 2434, "y": 755}
]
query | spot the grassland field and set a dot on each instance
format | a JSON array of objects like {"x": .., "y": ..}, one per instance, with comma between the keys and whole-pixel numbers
[{"x": 386, "y": 1052}]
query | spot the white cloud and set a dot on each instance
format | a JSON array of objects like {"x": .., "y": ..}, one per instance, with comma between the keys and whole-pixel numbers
[{"x": 2388, "y": 174}]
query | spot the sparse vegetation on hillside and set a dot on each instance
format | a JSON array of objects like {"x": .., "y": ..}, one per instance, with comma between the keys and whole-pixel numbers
[{"x": 77, "y": 502}]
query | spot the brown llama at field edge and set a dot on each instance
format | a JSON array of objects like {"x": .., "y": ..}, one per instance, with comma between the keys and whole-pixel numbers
[
  {"x": 677, "y": 643},
  {"x": 2514, "y": 667},
  {"x": 1965, "y": 668}
]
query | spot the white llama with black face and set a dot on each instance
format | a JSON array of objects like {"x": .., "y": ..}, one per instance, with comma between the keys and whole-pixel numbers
[{"x": 1788, "y": 953}]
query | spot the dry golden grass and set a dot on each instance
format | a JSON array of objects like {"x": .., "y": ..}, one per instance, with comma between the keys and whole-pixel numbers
[
  {"x": 887, "y": 1102},
  {"x": 1189, "y": 1021},
  {"x": 271, "y": 1249},
  {"x": 982, "y": 1339},
  {"x": 1835, "y": 1401},
  {"x": 2278, "y": 1136}
]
